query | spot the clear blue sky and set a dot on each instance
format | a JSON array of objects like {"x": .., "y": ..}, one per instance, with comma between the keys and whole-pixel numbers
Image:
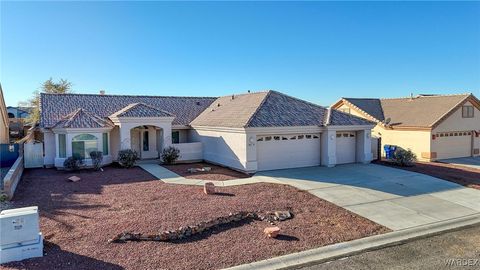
[{"x": 318, "y": 51}]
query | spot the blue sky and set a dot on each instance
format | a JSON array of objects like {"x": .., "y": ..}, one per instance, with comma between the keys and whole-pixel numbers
[{"x": 318, "y": 51}]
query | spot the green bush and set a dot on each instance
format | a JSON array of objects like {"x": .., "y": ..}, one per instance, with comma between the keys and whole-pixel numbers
[
  {"x": 127, "y": 158},
  {"x": 404, "y": 157},
  {"x": 97, "y": 158},
  {"x": 170, "y": 155},
  {"x": 72, "y": 163}
]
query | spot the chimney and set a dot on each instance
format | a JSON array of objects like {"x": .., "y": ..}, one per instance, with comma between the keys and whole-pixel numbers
[{"x": 102, "y": 92}]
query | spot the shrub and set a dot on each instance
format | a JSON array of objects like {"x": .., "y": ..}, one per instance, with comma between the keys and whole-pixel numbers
[
  {"x": 127, "y": 158},
  {"x": 97, "y": 158},
  {"x": 72, "y": 163},
  {"x": 404, "y": 157},
  {"x": 170, "y": 155}
]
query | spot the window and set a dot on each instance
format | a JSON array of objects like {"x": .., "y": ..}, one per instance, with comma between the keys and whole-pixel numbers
[
  {"x": 339, "y": 135},
  {"x": 62, "y": 146},
  {"x": 83, "y": 144},
  {"x": 175, "y": 136},
  {"x": 268, "y": 138},
  {"x": 105, "y": 143},
  {"x": 308, "y": 136},
  {"x": 260, "y": 139},
  {"x": 145, "y": 141},
  {"x": 300, "y": 137},
  {"x": 293, "y": 138},
  {"x": 276, "y": 138},
  {"x": 467, "y": 111}
]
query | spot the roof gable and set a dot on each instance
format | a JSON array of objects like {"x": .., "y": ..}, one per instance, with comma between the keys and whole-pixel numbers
[
  {"x": 140, "y": 110},
  {"x": 370, "y": 106},
  {"x": 82, "y": 119}
]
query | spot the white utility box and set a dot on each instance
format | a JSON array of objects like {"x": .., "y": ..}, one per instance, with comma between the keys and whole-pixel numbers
[{"x": 20, "y": 236}]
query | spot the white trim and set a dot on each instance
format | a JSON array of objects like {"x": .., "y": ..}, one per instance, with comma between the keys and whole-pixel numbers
[{"x": 81, "y": 130}]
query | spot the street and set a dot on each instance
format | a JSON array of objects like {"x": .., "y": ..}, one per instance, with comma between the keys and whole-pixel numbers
[{"x": 453, "y": 250}]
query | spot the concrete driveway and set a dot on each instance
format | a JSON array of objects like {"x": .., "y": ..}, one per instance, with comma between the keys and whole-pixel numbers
[
  {"x": 472, "y": 162},
  {"x": 391, "y": 197}
]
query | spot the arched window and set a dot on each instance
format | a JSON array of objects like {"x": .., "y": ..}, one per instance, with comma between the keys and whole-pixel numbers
[{"x": 83, "y": 144}]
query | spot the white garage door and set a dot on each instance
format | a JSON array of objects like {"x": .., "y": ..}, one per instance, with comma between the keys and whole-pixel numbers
[
  {"x": 288, "y": 151},
  {"x": 453, "y": 144},
  {"x": 346, "y": 147}
]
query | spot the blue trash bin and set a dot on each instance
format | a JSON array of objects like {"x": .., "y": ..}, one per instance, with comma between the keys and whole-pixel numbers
[{"x": 387, "y": 151}]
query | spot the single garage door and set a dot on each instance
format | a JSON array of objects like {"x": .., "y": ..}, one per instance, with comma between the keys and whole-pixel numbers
[
  {"x": 453, "y": 144},
  {"x": 288, "y": 151},
  {"x": 346, "y": 144}
]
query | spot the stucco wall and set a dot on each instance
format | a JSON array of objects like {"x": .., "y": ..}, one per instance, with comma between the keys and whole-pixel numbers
[
  {"x": 49, "y": 148},
  {"x": 418, "y": 141},
  {"x": 222, "y": 147},
  {"x": 455, "y": 122},
  {"x": 183, "y": 135}
]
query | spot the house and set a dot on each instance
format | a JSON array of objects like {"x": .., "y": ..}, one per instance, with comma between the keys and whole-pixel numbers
[
  {"x": 4, "y": 124},
  {"x": 433, "y": 126},
  {"x": 16, "y": 117},
  {"x": 248, "y": 132}
]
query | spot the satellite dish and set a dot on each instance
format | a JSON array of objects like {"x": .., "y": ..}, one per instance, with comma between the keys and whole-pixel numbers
[{"x": 387, "y": 121}]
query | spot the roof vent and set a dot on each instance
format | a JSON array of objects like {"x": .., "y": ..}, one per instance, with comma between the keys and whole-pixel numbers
[
  {"x": 102, "y": 92},
  {"x": 248, "y": 91},
  {"x": 198, "y": 102},
  {"x": 218, "y": 105},
  {"x": 233, "y": 97}
]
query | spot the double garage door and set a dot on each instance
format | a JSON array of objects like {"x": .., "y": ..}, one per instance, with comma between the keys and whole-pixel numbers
[
  {"x": 453, "y": 144},
  {"x": 288, "y": 151},
  {"x": 300, "y": 150}
]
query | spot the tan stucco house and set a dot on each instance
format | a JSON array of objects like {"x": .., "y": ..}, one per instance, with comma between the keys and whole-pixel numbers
[
  {"x": 433, "y": 126},
  {"x": 248, "y": 132},
  {"x": 4, "y": 135}
]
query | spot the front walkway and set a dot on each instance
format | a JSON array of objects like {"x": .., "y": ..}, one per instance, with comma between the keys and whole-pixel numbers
[{"x": 391, "y": 197}]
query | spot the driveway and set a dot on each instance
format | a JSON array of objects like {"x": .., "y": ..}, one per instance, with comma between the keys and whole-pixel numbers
[
  {"x": 394, "y": 198},
  {"x": 472, "y": 162}
]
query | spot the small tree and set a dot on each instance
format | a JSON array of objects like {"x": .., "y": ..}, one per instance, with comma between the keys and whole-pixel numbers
[
  {"x": 49, "y": 86},
  {"x": 404, "y": 157},
  {"x": 72, "y": 163},
  {"x": 97, "y": 158},
  {"x": 170, "y": 155},
  {"x": 127, "y": 158}
]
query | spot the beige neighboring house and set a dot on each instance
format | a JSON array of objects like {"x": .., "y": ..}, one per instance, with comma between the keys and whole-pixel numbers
[
  {"x": 433, "y": 126},
  {"x": 4, "y": 138}
]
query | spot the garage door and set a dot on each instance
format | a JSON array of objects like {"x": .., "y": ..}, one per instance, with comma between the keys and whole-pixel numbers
[
  {"x": 346, "y": 147},
  {"x": 453, "y": 144},
  {"x": 288, "y": 151}
]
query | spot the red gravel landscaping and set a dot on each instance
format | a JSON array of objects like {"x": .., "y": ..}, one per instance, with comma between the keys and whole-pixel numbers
[
  {"x": 77, "y": 219},
  {"x": 462, "y": 175},
  {"x": 217, "y": 173}
]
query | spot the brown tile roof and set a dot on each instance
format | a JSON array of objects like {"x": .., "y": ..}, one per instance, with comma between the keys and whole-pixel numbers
[
  {"x": 419, "y": 111},
  {"x": 270, "y": 109}
]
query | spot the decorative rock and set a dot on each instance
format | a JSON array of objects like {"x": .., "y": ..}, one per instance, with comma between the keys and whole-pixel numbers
[
  {"x": 283, "y": 215},
  {"x": 207, "y": 169},
  {"x": 209, "y": 188},
  {"x": 74, "y": 178},
  {"x": 272, "y": 232},
  {"x": 191, "y": 170}
]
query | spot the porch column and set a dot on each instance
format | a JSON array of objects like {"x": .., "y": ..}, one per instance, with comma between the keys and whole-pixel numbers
[
  {"x": 125, "y": 141},
  {"x": 329, "y": 148},
  {"x": 364, "y": 146},
  {"x": 167, "y": 135}
]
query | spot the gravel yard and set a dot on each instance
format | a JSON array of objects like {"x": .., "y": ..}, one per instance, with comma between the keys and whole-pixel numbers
[
  {"x": 77, "y": 219},
  {"x": 217, "y": 173},
  {"x": 462, "y": 175}
]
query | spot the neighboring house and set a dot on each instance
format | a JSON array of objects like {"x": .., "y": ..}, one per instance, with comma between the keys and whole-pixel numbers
[
  {"x": 16, "y": 117},
  {"x": 248, "y": 132},
  {"x": 4, "y": 124},
  {"x": 432, "y": 126}
]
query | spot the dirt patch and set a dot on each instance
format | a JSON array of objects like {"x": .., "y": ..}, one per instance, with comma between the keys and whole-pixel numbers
[
  {"x": 462, "y": 175},
  {"x": 77, "y": 220},
  {"x": 218, "y": 173}
]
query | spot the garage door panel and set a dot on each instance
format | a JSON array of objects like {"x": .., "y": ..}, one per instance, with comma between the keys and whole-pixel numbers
[
  {"x": 288, "y": 151},
  {"x": 453, "y": 144},
  {"x": 345, "y": 148}
]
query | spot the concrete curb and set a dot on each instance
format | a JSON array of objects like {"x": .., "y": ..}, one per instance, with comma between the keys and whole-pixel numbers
[{"x": 345, "y": 249}]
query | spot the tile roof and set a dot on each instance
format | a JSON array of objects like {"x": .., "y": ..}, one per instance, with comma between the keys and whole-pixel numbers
[
  {"x": 419, "y": 111},
  {"x": 140, "y": 110},
  {"x": 270, "y": 109},
  {"x": 55, "y": 106},
  {"x": 82, "y": 119}
]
